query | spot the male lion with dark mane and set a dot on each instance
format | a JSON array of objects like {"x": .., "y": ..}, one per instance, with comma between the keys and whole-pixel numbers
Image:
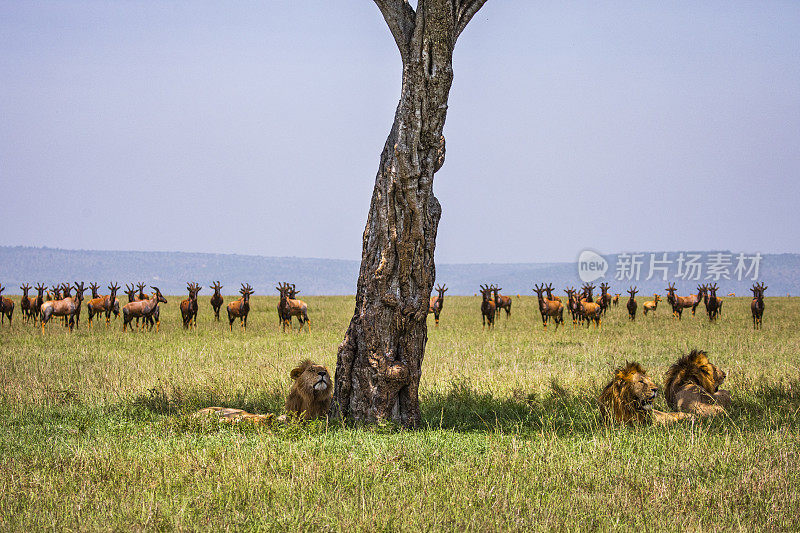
[
  {"x": 692, "y": 386},
  {"x": 629, "y": 398},
  {"x": 309, "y": 397}
]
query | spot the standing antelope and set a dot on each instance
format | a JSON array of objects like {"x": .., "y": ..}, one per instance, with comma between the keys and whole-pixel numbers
[
  {"x": 189, "y": 306},
  {"x": 289, "y": 307},
  {"x": 6, "y": 307},
  {"x": 96, "y": 305},
  {"x": 240, "y": 308},
  {"x": 604, "y": 300},
  {"x": 216, "y": 300},
  {"x": 144, "y": 309},
  {"x": 587, "y": 290},
  {"x": 25, "y": 302},
  {"x": 632, "y": 305},
  {"x": 714, "y": 304},
  {"x": 615, "y": 301},
  {"x": 549, "y": 308},
  {"x": 572, "y": 305},
  {"x": 68, "y": 307},
  {"x": 111, "y": 303},
  {"x": 591, "y": 311},
  {"x": 501, "y": 302},
  {"x": 757, "y": 305},
  {"x": 651, "y": 305},
  {"x": 142, "y": 295},
  {"x": 488, "y": 306},
  {"x": 436, "y": 303},
  {"x": 36, "y": 304},
  {"x": 549, "y": 290}
]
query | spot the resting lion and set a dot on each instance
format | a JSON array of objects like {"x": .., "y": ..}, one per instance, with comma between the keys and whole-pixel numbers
[
  {"x": 309, "y": 397},
  {"x": 692, "y": 386},
  {"x": 628, "y": 399}
]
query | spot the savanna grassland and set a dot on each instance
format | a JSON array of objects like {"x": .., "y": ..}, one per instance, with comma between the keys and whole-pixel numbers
[{"x": 97, "y": 433}]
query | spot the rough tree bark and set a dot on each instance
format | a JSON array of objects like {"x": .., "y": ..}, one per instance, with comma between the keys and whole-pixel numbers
[{"x": 379, "y": 363}]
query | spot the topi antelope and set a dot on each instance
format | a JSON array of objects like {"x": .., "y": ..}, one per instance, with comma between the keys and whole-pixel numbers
[
  {"x": 289, "y": 307},
  {"x": 549, "y": 308},
  {"x": 144, "y": 309},
  {"x": 96, "y": 305},
  {"x": 501, "y": 302},
  {"x": 651, "y": 305},
  {"x": 189, "y": 306},
  {"x": 111, "y": 303},
  {"x": 632, "y": 305},
  {"x": 36, "y": 303},
  {"x": 615, "y": 301},
  {"x": 216, "y": 300},
  {"x": 488, "y": 306},
  {"x": 713, "y": 304},
  {"x": 572, "y": 305},
  {"x": 68, "y": 307},
  {"x": 142, "y": 295},
  {"x": 604, "y": 300},
  {"x": 6, "y": 307},
  {"x": 591, "y": 311},
  {"x": 436, "y": 303},
  {"x": 757, "y": 305},
  {"x": 240, "y": 308},
  {"x": 25, "y": 302}
]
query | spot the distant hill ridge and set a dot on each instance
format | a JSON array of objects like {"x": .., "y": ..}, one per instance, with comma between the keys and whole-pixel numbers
[{"x": 171, "y": 270}]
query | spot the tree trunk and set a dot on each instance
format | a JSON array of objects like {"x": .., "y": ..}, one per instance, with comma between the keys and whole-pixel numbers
[{"x": 379, "y": 363}]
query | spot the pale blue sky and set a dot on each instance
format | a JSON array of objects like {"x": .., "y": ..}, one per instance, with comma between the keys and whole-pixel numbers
[{"x": 256, "y": 127}]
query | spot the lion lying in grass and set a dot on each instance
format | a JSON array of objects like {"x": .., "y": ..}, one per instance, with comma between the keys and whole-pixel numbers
[
  {"x": 309, "y": 398},
  {"x": 628, "y": 399},
  {"x": 692, "y": 386}
]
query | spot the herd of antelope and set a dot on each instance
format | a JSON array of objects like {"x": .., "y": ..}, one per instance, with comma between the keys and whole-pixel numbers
[
  {"x": 583, "y": 306},
  {"x": 587, "y": 309},
  {"x": 58, "y": 301}
]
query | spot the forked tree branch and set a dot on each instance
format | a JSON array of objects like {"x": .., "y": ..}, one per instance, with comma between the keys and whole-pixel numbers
[
  {"x": 466, "y": 10},
  {"x": 399, "y": 16}
]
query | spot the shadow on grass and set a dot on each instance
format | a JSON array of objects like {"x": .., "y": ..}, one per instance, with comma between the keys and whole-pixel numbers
[
  {"x": 461, "y": 408},
  {"x": 464, "y": 409}
]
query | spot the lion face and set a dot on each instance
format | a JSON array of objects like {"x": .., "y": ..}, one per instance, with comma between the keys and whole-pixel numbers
[
  {"x": 312, "y": 378},
  {"x": 643, "y": 390},
  {"x": 311, "y": 393},
  {"x": 629, "y": 397}
]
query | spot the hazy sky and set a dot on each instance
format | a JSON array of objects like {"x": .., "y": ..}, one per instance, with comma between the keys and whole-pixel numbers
[{"x": 256, "y": 127}]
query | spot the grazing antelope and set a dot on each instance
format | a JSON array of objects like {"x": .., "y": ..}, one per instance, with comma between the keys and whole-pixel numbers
[
  {"x": 144, "y": 309},
  {"x": 240, "y": 308},
  {"x": 25, "y": 302},
  {"x": 488, "y": 306},
  {"x": 111, "y": 303},
  {"x": 436, "y": 303},
  {"x": 549, "y": 308},
  {"x": 757, "y": 305},
  {"x": 501, "y": 302},
  {"x": 6, "y": 307},
  {"x": 68, "y": 307},
  {"x": 651, "y": 305},
  {"x": 189, "y": 306},
  {"x": 713, "y": 304},
  {"x": 216, "y": 300},
  {"x": 632, "y": 305},
  {"x": 289, "y": 307},
  {"x": 615, "y": 301}
]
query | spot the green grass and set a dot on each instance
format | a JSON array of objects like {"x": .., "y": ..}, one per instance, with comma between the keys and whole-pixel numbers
[{"x": 96, "y": 433}]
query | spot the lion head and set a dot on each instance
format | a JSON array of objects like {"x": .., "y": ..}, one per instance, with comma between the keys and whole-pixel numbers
[
  {"x": 311, "y": 392},
  {"x": 693, "y": 368},
  {"x": 628, "y": 399}
]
